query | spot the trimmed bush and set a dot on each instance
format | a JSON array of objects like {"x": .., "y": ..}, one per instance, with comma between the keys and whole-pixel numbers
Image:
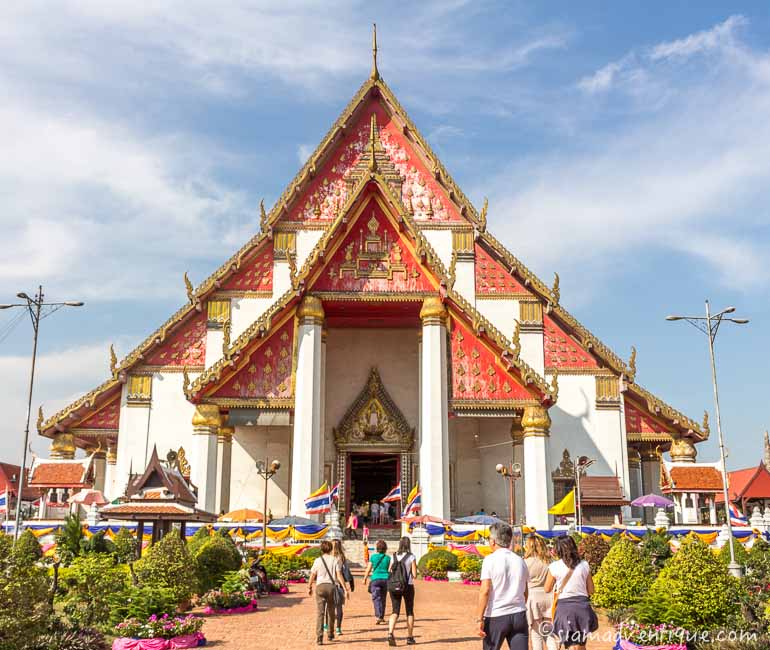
[
  {"x": 124, "y": 546},
  {"x": 437, "y": 568},
  {"x": 27, "y": 549},
  {"x": 741, "y": 554},
  {"x": 693, "y": 590},
  {"x": 87, "y": 585},
  {"x": 623, "y": 578},
  {"x": 141, "y": 602},
  {"x": 97, "y": 543},
  {"x": 439, "y": 553},
  {"x": 593, "y": 549},
  {"x": 168, "y": 564},
  {"x": 23, "y": 599},
  {"x": 656, "y": 549},
  {"x": 201, "y": 536},
  {"x": 311, "y": 553},
  {"x": 213, "y": 559}
]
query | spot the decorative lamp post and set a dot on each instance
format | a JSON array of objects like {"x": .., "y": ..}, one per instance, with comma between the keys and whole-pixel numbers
[
  {"x": 266, "y": 472},
  {"x": 582, "y": 464},
  {"x": 512, "y": 473},
  {"x": 709, "y": 325},
  {"x": 34, "y": 306}
]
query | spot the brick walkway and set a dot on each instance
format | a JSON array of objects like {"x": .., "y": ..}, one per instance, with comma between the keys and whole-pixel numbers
[{"x": 445, "y": 614}]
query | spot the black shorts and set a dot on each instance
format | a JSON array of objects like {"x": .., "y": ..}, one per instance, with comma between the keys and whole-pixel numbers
[{"x": 407, "y": 597}]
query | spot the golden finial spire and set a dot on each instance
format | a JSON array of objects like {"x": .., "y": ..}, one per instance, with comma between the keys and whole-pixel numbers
[
  {"x": 555, "y": 385},
  {"x": 706, "y": 428},
  {"x": 185, "y": 380},
  {"x": 483, "y": 215},
  {"x": 113, "y": 360},
  {"x": 632, "y": 362},
  {"x": 372, "y": 136},
  {"x": 40, "y": 417},
  {"x": 375, "y": 72},
  {"x": 189, "y": 288},
  {"x": 555, "y": 290},
  {"x": 226, "y": 329},
  {"x": 516, "y": 340},
  {"x": 262, "y": 216}
]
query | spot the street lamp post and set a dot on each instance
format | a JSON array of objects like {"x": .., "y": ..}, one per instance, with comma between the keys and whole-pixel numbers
[
  {"x": 266, "y": 472},
  {"x": 710, "y": 326},
  {"x": 582, "y": 464},
  {"x": 34, "y": 306},
  {"x": 511, "y": 472}
]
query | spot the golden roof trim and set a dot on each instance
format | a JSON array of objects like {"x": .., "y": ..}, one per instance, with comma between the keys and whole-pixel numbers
[{"x": 254, "y": 403}]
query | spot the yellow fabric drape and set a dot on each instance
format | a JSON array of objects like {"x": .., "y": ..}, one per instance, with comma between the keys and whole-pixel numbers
[
  {"x": 308, "y": 536},
  {"x": 566, "y": 506}
]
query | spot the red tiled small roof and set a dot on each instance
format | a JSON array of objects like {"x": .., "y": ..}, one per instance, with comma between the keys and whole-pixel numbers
[
  {"x": 601, "y": 490},
  {"x": 694, "y": 479},
  {"x": 9, "y": 476},
  {"x": 749, "y": 483},
  {"x": 63, "y": 473},
  {"x": 143, "y": 510}
]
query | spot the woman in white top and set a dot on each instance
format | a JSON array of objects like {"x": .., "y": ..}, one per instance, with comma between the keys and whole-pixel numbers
[
  {"x": 327, "y": 575},
  {"x": 403, "y": 560},
  {"x": 539, "y": 603},
  {"x": 575, "y": 619}
]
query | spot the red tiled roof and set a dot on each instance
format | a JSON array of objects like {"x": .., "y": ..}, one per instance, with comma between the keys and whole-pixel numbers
[
  {"x": 58, "y": 474},
  {"x": 601, "y": 490},
  {"x": 749, "y": 483},
  {"x": 704, "y": 479},
  {"x": 146, "y": 509},
  {"x": 8, "y": 472}
]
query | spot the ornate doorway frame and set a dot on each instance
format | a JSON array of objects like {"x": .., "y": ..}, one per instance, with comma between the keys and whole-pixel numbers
[{"x": 373, "y": 424}]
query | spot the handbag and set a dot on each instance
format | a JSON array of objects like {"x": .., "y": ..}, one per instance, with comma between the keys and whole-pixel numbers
[
  {"x": 338, "y": 593},
  {"x": 556, "y": 593},
  {"x": 382, "y": 557}
]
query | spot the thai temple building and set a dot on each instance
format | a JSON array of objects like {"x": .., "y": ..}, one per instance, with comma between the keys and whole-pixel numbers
[{"x": 371, "y": 332}]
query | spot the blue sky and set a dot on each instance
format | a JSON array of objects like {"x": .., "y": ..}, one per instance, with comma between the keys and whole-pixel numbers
[{"x": 626, "y": 147}]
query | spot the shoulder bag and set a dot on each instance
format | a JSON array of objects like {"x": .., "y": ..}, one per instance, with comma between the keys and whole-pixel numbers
[
  {"x": 338, "y": 591},
  {"x": 377, "y": 566}
]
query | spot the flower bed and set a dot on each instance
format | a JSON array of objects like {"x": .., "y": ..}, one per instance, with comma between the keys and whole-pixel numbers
[
  {"x": 432, "y": 579},
  {"x": 468, "y": 581},
  {"x": 279, "y": 587},
  {"x": 640, "y": 636},
  {"x": 159, "y": 633},
  {"x": 235, "y": 602}
]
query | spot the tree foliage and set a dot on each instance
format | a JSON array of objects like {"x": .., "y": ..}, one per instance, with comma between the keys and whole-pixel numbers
[
  {"x": 23, "y": 598},
  {"x": 168, "y": 564},
  {"x": 27, "y": 549},
  {"x": 201, "y": 536},
  {"x": 213, "y": 559},
  {"x": 68, "y": 539},
  {"x": 623, "y": 578},
  {"x": 439, "y": 553},
  {"x": 124, "y": 546},
  {"x": 593, "y": 549}
]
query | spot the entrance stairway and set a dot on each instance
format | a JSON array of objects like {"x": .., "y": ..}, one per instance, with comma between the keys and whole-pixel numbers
[{"x": 354, "y": 548}]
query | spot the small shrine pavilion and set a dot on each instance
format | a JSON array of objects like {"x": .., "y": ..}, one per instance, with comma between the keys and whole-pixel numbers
[{"x": 59, "y": 479}]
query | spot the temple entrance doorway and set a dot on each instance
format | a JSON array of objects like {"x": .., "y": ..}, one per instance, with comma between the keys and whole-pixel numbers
[{"x": 372, "y": 476}]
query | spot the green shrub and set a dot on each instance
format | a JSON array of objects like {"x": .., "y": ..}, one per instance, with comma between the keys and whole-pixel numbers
[
  {"x": 436, "y": 568},
  {"x": 24, "y": 606},
  {"x": 97, "y": 543},
  {"x": 27, "y": 549},
  {"x": 741, "y": 554},
  {"x": 693, "y": 590},
  {"x": 451, "y": 559},
  {"x": 235, "y": 581},
  {"x": 168, "y": 564},
  {"x": 87, "y": 585},
  {"x": 6, "y": 546},
  {"x": 656, "y": 548},
  {"x": 623, "y": 578},
  {"x": 213, "y": 559},
  {"x": 282, "y": 566},
  {"x": 141, "y": 602},
  {"x": 469, "y": 563},
  {"x": 124, "y": 546},
  {"x": 311, "y": 553},
  {"x": 593, "y": 549},
  {"x": 68, "y": 539},
  {"x": 60, "y": 636},
  {"x": 201, "y": 536}
]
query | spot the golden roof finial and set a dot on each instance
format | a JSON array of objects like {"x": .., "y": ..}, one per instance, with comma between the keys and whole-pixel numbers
[
  {"x": 555, "y": 290},
  {"x": 555, "y": 385},
  {"x": 185, "y": 380},
  {"x": 705, "y": 425},
  {"x": 262, "y": 215},
  {"x": 375, "y": 72},
  {"x": 516, "y": 340},
  {"x": 40, "y": 417},
  {"x": 113, "y": 360},
  {"x": 372, "y": 136},
  {"x": 226, "y": 329},
  {"x": 189, "y": 288},
  {"x": 483, "y": 215},
  {"x": 632, "y": 362}
]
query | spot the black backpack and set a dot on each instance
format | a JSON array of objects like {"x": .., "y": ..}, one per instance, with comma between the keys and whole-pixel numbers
[{"x": 398, "y": 580}]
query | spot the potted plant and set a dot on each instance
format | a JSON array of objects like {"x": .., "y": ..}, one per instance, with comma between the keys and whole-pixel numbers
[
  {"x": 228, "y": 602},
  {"x": 159, "y": 633}
]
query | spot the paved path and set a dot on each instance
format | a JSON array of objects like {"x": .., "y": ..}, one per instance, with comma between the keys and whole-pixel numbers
[{"x": 445, "y": 614}]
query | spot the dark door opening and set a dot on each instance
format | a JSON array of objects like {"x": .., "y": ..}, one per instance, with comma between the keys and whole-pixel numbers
[{"x": 372, "y": 476}]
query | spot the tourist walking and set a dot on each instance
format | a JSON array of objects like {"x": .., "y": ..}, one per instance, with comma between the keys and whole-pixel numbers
[
  {"x": 377, "y": 575},
  {"x": 403, "y": 571},
  {"x": 352, "y": 525},
  {"x": 326, "y": 576},
  {"x": 574, "y": 618},
  {"x": 374, "y": 510},
  {"x": 344, "y": 566},
  {"x": 539, "y": 602},
  {"x": 502, "y": 613}
]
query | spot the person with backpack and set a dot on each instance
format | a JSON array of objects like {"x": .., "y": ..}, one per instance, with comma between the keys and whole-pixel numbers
[
  {"x": 377, "y": 573},
  {"x": 339, "y": 554},
  {"x": 326, "y": 573},
  {"x": 573, "y": 618},
  {"x": 403, "y": 571}
]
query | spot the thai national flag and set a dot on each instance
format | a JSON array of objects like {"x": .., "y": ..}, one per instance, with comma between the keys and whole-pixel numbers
[
  {"x": 334, "y": 495},
  {"x": 4, "y": 501},
  {"x": 413, "y": 502},
  {"x": 319, "y": 502},
  {"x": 737, "y": 518},
  {"x": 394, "y": 494}
]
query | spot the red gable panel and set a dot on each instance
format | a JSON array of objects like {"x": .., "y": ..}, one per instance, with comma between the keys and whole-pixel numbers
[
  {"x": 255, "y": 275},
  {"x": 374, "y": 257},
  {"x": 476, "y": 372},
  {"x": 639, "y": 422},
  {"x": 493, "y": 278},
  {"x": 561, "y": 350},
  {"x": 267, "y": 373},
  {"x": 186, "y": 347},
  {"x": 108, "y": 417}
]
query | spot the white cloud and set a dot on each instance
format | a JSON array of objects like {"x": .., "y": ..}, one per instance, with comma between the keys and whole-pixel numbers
[
  {"x": 687, "y": 175},
  {"x": 719, "y": 36},
  {"x": 602, "y": 79}
]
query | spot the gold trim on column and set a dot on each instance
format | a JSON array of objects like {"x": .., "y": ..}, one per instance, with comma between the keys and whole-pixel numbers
[
  {"x": 225, "y": 435},
  {"x": 139, "y": 390},
  {"x": 206, "y": 416},
  {"x": 634, "y": 457},
  {"x": 218, "y": 313},
  {"x": 607, "y": 392},
  {"x": 531, "y": 314},
  {"x": 536, "y": 422},
  {"x": 311, "y": 311},
  {"x": 683, "y": 451},
  {"x": 433, "y": 311},
  {"x": 111, "y": 456},
  {"x": 63, "y": 446}
]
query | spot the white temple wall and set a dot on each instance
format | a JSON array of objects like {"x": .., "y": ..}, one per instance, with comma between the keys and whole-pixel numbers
[
  {"x": 306, "y": 241},
  {"x": 351, "y": 354},
  {"x": 214, "y": 340},
  {"x": 171, "y": 415},
  {"x": 501, "y": 312},
  {"x": 494, "y": 489},
  {"x": 465, "y": 466},
  {"x": 132, "y": 443},
  {"x": 578, "y": 426},
  {"x": 243, "y": 312},
  {"x": 441, "y": 241},
  {"x": 253, "y": 443},
  {"x": 465, "y": 280}
]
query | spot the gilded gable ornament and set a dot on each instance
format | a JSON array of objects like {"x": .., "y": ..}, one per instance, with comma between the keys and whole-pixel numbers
[
  {"x": 483, "y": 216},
  {"x": 40, "y": 418},
  {"x": 182, "y": 464},
  {"x": 262, "y": 216},
  {"x": 555, "y": 288},
  {"x": 113, "y": 360},
  {"x": 189, "y": 289},
  {"x": 632, "y": 363}
]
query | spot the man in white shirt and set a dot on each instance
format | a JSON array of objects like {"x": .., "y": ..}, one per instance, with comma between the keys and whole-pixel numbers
[{"x": 502, "y": 614}]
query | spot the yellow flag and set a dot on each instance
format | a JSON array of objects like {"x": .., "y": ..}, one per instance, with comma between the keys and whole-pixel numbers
[{"x": 566, "y": 506}]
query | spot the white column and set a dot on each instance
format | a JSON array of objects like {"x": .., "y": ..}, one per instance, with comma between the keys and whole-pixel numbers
[
  {"x": 712, "y": 511},
  {"x": 100, "y": 469},
  {"x": 224, "y": 465},
  {"x": 536, "y": 424},
  {"x": 322, "y": 426},
  {"x": 307, "y": 405},
  {"x": 518, "y": 486},
  {"x": 109, "y": 474},
  {"x": 434, "y": 420},
  {"x": 206, "y": 422}
]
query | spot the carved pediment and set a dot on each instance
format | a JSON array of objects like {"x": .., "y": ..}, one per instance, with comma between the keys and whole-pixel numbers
[
  {"x": 374, "y": 420},
  {"x": 566, "y": 469}
]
